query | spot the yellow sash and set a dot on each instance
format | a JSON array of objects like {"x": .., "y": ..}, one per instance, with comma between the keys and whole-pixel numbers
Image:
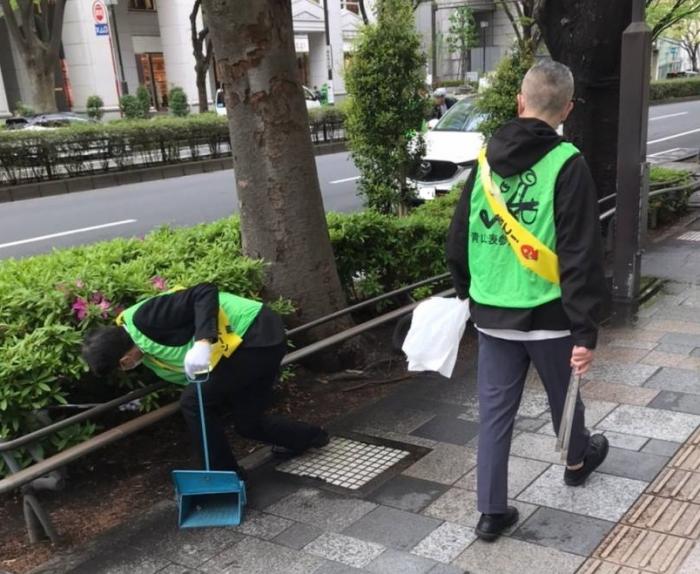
[{"x": 530, "y": 251}]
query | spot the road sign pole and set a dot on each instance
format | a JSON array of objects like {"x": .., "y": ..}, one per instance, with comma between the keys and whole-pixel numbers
[{"x": 632, "y": 168}]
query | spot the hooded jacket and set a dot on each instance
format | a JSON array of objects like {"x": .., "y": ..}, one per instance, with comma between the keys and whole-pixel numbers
[{"x": 516, "y": 147}]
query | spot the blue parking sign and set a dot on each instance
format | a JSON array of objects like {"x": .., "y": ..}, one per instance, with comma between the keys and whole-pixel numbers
[{"x": 102, "y": 29}]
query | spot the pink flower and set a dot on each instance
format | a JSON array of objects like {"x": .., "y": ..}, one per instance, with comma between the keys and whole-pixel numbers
[
  {"x": 79, "y": 284},
  {"x": 96, "y": 298},
  {"x": 80, "y": 308},
  {"x": 159, "y": 283},
  {"x": 105, "y": 306}
]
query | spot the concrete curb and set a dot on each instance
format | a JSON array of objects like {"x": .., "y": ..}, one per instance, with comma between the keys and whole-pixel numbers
[{"x": 166, "y": 171}]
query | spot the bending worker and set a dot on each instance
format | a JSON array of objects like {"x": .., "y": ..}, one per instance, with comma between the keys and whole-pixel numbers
[
  {"x": 525, "y": 247},
  {"x": 183, "y": 333}
]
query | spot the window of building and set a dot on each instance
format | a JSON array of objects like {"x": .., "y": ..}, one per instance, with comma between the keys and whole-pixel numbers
[
  {"x": 350, "y": 6},
  {"x": 147, "y": 5}
]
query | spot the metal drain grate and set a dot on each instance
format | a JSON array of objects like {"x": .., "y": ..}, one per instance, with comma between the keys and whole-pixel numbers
[
  {"x": 345, "y": 463},
  {"x": 689, "y": 236}
]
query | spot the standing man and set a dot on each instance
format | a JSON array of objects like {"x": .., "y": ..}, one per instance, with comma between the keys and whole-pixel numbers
[
  {"x": 442, "y": 102},
  {"x": 525, "y": 247},
  {"x": 182, "y": 333}
]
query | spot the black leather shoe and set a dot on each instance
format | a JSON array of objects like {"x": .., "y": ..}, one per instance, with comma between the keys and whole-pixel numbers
[
  {"x": 320, "y": 440},
  {"x": 491, "y": 526},
  {"x": 595, "y": 455}
]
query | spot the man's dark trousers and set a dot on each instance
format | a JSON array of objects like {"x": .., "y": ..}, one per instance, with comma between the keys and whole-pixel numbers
[
  {"x": 502, "y": 370},
  {"x": 242, "y": 386}
]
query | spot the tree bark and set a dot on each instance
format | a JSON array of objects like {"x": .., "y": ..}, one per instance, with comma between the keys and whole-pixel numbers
[
  {"x": 201, "y": 75},
  {"x": 586, "y": 35},
  {"x": 282, "y": 215}
]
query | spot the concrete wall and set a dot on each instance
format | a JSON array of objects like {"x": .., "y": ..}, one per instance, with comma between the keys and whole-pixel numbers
[
  {"x": 4, "y": 108},
  {"x": 318, "y": 73}
]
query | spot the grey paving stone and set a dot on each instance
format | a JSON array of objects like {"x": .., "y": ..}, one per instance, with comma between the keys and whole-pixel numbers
[
  {"x": 298, "y": 535},
  {"x": 254, "y": 556},
  {"x": 392, "y": 528},
  {"x": 626, "y": 441},
  {"x": 263, "y": 525},
  {"x": 682, "y": 350},
  {"x": 445, "y": 543},
  {"x": 445, "y": 464},
  {"x": 344, "y": 549},
  {"x": 631, "y": 464},
  {"x": 632, "y": 344},
  {"x": 330, "y": 567},
  {"x": 680, "y": 402},
  {"x": 662, "y": 447},
  {"x": 119, "y": 563},
  {"x": 652, "y": 423},
  {"x": 564, "y": 531},
  {"x": 322, "y": 509},
  {"x": 460, "y": 507},
  {"x": 631, "y": 374},
  {"x": 533, "y": 403},
  {"x": 510, "y": 556},
  {"x": 528, "y": 424},
  {"x": 176, "y": 569},
  {"x": 447, "y": 569},
  {"x": 691, "y": 563},
  {"x": 536, "y": 446},
  {"x": 408, "y": 493},
  {"x": 695, "y": 352},
  {"x": 269, "y": 488},
  {"x": 448, "y": 429},
  {"x": 392, "y": 561},
  {"x": 681, "y": 339},
  {"x": 678, "y": 380},
  {"x": 521, "y": 472},
  {"x": 604, "y": 496}
]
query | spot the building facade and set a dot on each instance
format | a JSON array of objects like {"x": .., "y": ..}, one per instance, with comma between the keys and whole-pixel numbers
[
  {"x": 110, "y": 47},
  {"x": 495, "y": 34}
]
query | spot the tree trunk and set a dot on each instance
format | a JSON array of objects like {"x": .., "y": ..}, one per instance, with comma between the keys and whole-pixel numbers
[
  {"x": 282, "y": 215},
  {"x": 586, "y": 35},
  {"x": 201, "y": 73},
  {"x": 41, "y": 77}
]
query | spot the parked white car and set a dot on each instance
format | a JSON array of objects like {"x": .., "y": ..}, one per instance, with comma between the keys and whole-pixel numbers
[
  {"x": 452, "y": 146},
  {"x": 311, "y": 101}
]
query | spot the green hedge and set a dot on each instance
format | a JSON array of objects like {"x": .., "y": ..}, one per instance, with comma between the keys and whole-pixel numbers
[
  {"x": 48, "y": 301},
  {"x": 80, "y": 150},
  {"x": 671, "y": 89}
]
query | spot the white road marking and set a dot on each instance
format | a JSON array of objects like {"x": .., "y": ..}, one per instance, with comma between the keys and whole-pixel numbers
[
  {"x": 668, "y": 116},
  {"x": 344, "y": 180},
  {"x": 64, "y": 233},
  {"x": 680, "y": 135},
  {"x": 663, "y": 152}
]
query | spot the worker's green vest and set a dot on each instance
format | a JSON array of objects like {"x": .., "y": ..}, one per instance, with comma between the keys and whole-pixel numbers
[
  {"x": 235, "y": 317},
  {"x": 497, "y": 277}
]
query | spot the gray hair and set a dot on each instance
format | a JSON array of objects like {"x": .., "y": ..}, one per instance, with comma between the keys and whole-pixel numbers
[{"x": 547, "y": 87}]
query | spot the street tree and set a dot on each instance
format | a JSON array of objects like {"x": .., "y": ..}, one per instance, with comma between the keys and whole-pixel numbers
[
  {"x": 521, "y": 15},
  {"x": 203, "y": 53},
  {"x": 462, "y": 36},
  {"x": 663, "y": 15},
  {"x": 688, "y": 33},
  {"x": 587, "y": 37},
  {"x": 283, "y": 220},
  {"x": 35, "y": 28},
  {"x": 386, "y": 81}
]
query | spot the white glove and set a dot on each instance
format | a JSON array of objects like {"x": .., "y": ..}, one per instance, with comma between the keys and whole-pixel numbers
[{"x": 197, "y": 359}]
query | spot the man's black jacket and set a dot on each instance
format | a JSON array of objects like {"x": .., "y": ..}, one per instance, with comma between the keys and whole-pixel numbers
[
  {"x": 176, "y": 318},
  {"x": 516, "y": 147}
]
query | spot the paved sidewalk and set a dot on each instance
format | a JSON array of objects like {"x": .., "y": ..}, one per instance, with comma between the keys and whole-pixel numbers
[{"x": 643, "y": 392}]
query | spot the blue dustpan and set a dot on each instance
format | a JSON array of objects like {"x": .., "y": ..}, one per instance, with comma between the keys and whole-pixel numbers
[{"x": 208, "y": 497}]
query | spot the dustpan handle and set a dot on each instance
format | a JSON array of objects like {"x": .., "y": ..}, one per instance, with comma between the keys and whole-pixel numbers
[{"x": 205, "y": 444}]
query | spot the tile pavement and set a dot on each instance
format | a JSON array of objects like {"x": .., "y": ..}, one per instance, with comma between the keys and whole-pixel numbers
[{"x": 646, "y": 498}]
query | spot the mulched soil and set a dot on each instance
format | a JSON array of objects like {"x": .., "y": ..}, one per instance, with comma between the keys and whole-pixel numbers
[{"x": 126, "y": 478}]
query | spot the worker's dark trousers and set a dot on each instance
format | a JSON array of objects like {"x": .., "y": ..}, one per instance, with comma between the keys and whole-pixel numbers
[
  {"x": 242, "y": 386},
  {"x": 502, "y": 370}
]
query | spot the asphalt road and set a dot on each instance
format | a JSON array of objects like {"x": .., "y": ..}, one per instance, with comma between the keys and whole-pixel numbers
[{"x": 38, "y": 225}]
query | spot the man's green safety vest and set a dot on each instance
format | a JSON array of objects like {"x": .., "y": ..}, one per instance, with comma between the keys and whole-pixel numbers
[
  {"x": 236, "y": 314},
  {"x": 498, "y": 279}
]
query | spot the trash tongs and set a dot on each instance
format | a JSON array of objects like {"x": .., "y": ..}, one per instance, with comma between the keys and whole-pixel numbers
[{"x": 567, "y": 418}]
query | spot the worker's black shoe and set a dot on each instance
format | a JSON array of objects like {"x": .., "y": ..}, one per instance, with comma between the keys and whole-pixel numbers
[
  {"x": 595, "y": 455},
  {"x": 491, "y": 526},
  {"x": 320, "y": 440}
]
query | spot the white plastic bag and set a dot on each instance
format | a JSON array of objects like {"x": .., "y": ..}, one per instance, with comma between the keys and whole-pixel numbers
[{"x": 436, "y": 330}]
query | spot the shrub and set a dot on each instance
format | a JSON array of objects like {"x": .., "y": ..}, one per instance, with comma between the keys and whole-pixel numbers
[
  {"x": 668, "y": 207},
  {"x": 94, "y": 107},
  {"x": 178, "y": 102},
  {"x": 498, "y": 102},
  {"x": 50, "y": 300},
  {"x": 143, "y": 97},
  {"x": 130, "y": 107},
  {"x": 670, "y": 89}
]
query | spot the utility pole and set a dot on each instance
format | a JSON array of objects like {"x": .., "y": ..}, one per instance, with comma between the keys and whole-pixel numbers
[
  {"x": 329, "y": 53},
  {"x": 632, "y": 166},
  {"x": 484, "y": 27},
  {"x": 433, "y": 41}
]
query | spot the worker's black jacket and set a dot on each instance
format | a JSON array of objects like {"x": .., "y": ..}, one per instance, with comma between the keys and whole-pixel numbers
[
  {"x": 513, "y": 149},
  {"x": 175, "y": 318}
]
